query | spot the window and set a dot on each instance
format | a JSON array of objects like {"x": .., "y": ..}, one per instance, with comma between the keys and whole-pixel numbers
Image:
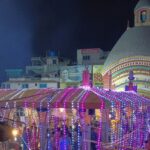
[
  {"x": 43, "y": 85},
  {"x": 86, "y": 57},
  {"x": 25, "y": 85},
  {"x": 8, "y": 86},
  {"x": 143, "y": 16},
  {"x": 54, "y": 61}
]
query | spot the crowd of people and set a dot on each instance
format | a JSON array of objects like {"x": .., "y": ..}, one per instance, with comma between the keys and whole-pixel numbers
[{"x": 64, "y": 137}]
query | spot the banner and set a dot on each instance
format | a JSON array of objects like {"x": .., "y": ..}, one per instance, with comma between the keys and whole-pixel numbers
[{"x": 97, "y": 75}]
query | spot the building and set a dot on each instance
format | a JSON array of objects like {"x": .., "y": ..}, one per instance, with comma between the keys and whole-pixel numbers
[
  {"x": 131, "y": 52},
  {"x": 91, "y": 56},
  {"x": 48, "y": 66},
  {"x": 53, "y": 71},
  {"x": 44, "y": 72}
]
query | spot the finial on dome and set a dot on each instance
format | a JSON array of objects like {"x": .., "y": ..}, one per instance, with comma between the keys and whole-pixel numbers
[{"x": 131, "y": 86}]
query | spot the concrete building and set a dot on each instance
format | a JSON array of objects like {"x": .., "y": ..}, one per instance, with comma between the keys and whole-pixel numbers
[
  {"x": 53, "y": 71},
  {"x": 44, "y": 72},
  {"x": 91, "y": 56}
]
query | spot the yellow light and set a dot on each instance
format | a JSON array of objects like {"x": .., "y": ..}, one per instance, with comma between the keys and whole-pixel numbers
[
  {"x": 14, "y": 132},
  {"x": 61, "y": 109}
]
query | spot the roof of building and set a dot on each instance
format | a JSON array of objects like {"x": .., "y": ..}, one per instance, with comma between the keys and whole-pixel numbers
[
  {"x": 142, "y": 3},
  {"x": 67, "y": 96},
  {"x": 134, "y": 42}
]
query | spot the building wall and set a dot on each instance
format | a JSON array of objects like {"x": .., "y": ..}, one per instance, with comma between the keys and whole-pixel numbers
[
  {"x": 34, "y": 85},
  {"x": 138, "y": 17},
  {"x": 91, "y": 56},
  {"x": 120, "y": 73}
]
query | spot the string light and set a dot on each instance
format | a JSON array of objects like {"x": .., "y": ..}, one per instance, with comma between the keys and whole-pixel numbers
[
  {"x": 83, "y": 110},
  {"x": 56, "y": 119},
  {"x": 78, "y": 98},
  {"x": 130, "y": 124},
  {"x": 27, "y": 129}
]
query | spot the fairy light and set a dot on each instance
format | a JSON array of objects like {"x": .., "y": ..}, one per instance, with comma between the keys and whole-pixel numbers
[
  {"x": 70, "y": 91},
  {"x": 78, "y": 134},
  {"x": 79, "y": 97},
  {"x": 140, "y": 135},
  {"x": 83, "y": 109},
  {"x": 48, "y": 113},
  {"x": 33, "y": 136},
  {"x": 49, "y": 100},
  {"x": 122, "y": 98},
  {"x": 136, "y": 122},
  {"x": 15, "y": 125},
  {"x": 112, "y": 129},
  {"x": 72, "y": 124},
  {"x": 56, "y": 119},
  {"x": 72, "y": 120},
  {"x": 100, "y": 126},
  {"x": 133, "y": 120},
  {"x": 48, "y": 123},
  {"x": 27, "y": 130},
  {"x": 48, "y": 140}
]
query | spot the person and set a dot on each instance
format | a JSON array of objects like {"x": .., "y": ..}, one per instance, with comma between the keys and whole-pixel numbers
[
  {"x": 64, "y": 142},
  {"x": 93, "y": 138}
]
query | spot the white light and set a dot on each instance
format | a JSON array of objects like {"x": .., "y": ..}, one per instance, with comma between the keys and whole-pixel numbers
[
  {"x": 109, "y": 116},
  {"x": 87, "y": 87},
  {"x": 14, "y": 132},
  {"x": 15, "y": 138},
  {"x": 61, "y": 109}
]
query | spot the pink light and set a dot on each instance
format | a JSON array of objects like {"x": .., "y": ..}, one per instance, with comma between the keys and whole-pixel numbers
[
  {"x": 64, "y": 127},
  {"x": 27, "y": 130},
  {"x": 56, "y": 121},
  {"x": 83, "y": 108}
]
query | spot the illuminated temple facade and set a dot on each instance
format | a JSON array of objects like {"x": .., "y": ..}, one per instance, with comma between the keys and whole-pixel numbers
[{"x": 131, "y": 52}]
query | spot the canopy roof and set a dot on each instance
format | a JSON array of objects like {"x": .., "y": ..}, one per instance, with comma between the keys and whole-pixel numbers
[{"x": 67, "y": 98}]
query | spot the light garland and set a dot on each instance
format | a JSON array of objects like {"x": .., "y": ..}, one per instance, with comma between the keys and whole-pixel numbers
[
  {"x": 78, "y": 98},
  {"x": 27, "y": 128},
  {"x": 133, "y": 127}
]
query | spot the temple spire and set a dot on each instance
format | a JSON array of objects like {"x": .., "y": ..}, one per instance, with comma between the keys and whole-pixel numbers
[{"x": 131, "y": 86}]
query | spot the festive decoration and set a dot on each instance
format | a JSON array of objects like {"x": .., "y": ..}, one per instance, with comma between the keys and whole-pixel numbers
[{"x": 122, "y": 119}]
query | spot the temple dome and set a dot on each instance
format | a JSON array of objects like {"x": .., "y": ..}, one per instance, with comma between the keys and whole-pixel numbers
[
  {"x": 134, "y": 42},
  {"x": 142, "y": 4}
]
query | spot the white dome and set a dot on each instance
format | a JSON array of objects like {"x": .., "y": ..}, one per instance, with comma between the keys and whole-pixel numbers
[
  {"x": 142, "y": 4},
  {"x": 134, "y": 42}
]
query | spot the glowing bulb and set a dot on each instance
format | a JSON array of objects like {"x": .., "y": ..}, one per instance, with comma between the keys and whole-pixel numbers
[
  {"x": 15, "y": 138},
  {"x": 14, "y": 132},
  {"x": 61, "y": 109},
  {"x": 86, "y": 87},
  {"x": 109, "y": 116}
]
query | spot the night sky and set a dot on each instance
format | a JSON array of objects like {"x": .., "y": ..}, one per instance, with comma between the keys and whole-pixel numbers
[{"x": 32, "y": 27}]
